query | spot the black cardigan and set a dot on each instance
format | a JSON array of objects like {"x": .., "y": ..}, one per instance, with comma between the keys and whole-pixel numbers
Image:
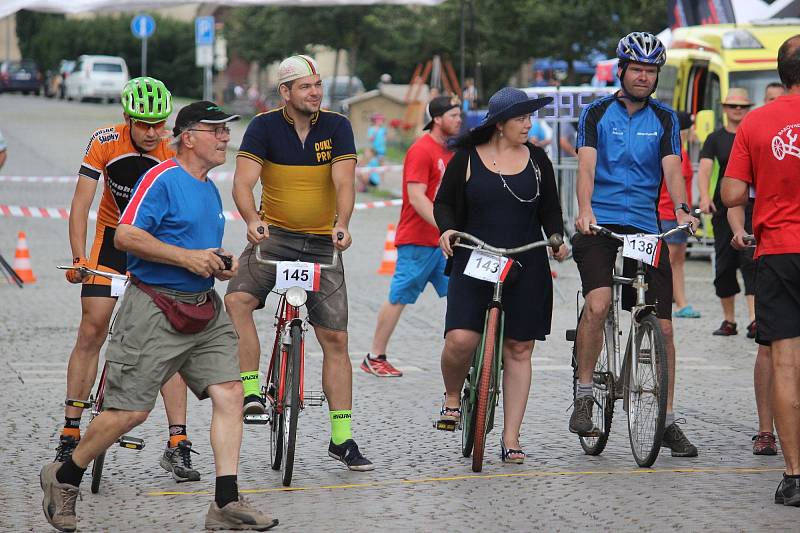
[{"x": 450, "y": 206}]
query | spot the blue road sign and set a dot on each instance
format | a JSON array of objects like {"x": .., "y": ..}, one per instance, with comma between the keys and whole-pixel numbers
[
  {"x": 204, "y": 31},
  {"x": 143, "y": 26}
]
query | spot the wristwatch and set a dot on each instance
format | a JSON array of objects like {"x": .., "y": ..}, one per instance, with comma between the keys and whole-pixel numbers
[{"x": 683, "y": 207}]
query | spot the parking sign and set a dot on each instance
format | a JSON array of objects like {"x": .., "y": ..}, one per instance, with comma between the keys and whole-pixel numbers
[{"x": 204, "y": 31}]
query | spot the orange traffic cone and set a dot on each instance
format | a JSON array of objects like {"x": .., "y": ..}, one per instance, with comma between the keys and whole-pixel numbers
[
  {"x": 389, "y": 259},
  {"x": 22, "y": 260}
]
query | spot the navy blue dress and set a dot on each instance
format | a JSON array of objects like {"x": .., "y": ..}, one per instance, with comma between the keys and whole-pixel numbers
[{"x": 495, "y": 216}]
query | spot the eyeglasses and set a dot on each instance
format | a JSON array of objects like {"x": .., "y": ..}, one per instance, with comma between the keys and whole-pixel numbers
[
  {"x": 219, "y": 131},
  {"x": 145, "y": 126},
  {"x": 737, "y": 106}
]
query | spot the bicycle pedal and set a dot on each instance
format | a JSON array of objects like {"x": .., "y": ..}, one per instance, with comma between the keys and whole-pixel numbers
[
  {"x": 256, "y": 419},
  {"x": 80, "y": 404},
  {"x": 445, "y": 425},
  {"x": 571, "y": 335},
  {"x": 315, "y": 398},
  {"x": 131, "y": 443}
]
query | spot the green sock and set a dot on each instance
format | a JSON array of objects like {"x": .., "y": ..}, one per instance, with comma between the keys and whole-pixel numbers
[
  {"x": 251, "y": 384},
  {"x": 340, "y": 426}
]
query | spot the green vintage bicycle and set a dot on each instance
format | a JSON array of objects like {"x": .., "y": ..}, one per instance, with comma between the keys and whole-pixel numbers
[{"x": 482, "y": 386}]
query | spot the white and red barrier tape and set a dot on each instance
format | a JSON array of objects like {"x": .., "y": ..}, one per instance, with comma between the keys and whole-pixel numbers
[
  {"x": 62, "y": 213},
  {"x": 216, "y": 176}
]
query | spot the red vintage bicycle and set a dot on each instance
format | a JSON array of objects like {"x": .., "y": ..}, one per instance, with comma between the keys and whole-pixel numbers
[{"x": 284, "y": 393}]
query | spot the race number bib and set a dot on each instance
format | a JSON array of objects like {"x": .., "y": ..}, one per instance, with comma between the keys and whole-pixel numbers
[
  {"x": 488, "y": 267},
  {"x": 118, "y": 285},
  {"x": 645, "y": 248},
  {"x": 297, "y": 274}
]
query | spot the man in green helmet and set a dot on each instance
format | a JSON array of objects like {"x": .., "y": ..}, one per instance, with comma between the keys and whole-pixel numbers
[{"x": 121, "y": 154}]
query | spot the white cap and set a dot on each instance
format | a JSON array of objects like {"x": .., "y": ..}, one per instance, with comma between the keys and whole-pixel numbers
[{"x": 295, "y": 67}]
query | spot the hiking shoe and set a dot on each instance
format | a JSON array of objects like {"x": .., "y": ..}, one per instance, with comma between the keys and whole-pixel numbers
[
  {"x": 254, "y": 405},
  {"x": 379, "y": 366},
  {"x": 238, "y": 515},
  {"x": 788, "y": 492},
  {"x": 726, "y": 329},
  {"x": 581, "y": 420},
  {"x": 347, "y": 452},
  {"x": 66, "y": 446},
  {"x": 751, "y": 330},
  {"x": 686, "y": 312},
  {"x": 178, "y": 461},
  {"x": 675, "y": 440},
  {"x": 764, "y": 444},
  {"x": 59, "y": 499}
]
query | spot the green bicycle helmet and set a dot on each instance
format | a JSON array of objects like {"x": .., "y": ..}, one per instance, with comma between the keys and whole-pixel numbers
[{"x": 146, "y": 99}]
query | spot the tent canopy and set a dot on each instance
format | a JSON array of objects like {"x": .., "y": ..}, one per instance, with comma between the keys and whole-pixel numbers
[{"x": 8, "y": 7}]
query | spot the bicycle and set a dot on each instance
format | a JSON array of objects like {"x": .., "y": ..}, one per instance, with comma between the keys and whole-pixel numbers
[
  {"x": 642, "y": 373},
  {"x": 284, "y": 393},
  {"x": 482, "y": 386},
  {"x": 95, "y": 401}
]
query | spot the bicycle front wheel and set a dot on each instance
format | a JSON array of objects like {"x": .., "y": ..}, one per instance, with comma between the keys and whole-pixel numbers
[
  {"x": 276, "y": 411},
  {"x": 467, "y": 417},
  {"x": 647, "y": 386},
  {"x": 486, "y": 389},
  {"x": 291, "y": 408}
]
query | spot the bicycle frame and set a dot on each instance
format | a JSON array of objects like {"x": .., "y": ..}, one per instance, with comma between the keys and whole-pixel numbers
[{"x": 286, "y": 316}]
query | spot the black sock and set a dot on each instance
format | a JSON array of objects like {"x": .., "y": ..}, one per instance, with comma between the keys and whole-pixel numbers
[
  {"x": 227, "y": 490},
  {"x": 791, "y": 477},
  {"x": 177, "y": 429},
  {"x": 70, "y": 473},
  {"x": 72, "y": 422}
]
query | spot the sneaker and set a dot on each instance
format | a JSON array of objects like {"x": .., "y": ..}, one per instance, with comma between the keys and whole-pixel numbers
[
  {"x": 581, "y": 420},
  {"x": 59, "y": 499},
  {"x": 788, "y": 492},
  {"x": 178, "y": 461},
  {"x": 726, "y": 329},
  {"x": 751, "y": 330},
  {"x": 379, "y": 366},
  {"x": 238, "y": 515},
  {"x": 347, "y": 452},
  {"x": 66, "y": 446},
  {"x": 764, "y": 444},
  {"x": 686, "y": 312},
  {"x": 675, "y": 440},
  {"x": 254, "y": 405}
]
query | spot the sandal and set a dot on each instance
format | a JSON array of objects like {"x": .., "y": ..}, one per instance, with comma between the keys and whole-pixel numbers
[
  {"x": 449, "y": 417},
  {"x": 511, "y": 455}
]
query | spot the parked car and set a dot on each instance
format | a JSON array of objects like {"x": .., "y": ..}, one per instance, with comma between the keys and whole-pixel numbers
[
  {"x": 20, "y": 76},
  {"x": 54, "y": 79},
  {"x": 101, "y": 77}
]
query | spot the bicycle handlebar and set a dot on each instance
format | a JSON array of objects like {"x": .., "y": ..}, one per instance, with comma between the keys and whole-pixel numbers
[
  {"x": 555, "y": 241},
  {"x": 273, "y": 262},
  {"x": 608, "y": 233},
  {"x": 87, "y": 271}
]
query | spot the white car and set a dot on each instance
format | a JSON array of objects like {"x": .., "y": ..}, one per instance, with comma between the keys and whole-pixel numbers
[{"x": 101, "y": 77}]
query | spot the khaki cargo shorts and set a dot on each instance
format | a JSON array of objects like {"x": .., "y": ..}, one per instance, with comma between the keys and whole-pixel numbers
[
  {"x": 328, "y": 306},
  {"x": 144, "y": 351}
]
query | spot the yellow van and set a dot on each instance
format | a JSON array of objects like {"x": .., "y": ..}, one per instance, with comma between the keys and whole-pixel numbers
[{"x": 704, "y": 61}]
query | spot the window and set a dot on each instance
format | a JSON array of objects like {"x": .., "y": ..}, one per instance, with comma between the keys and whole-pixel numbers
[{"x": 107, "y": 67}]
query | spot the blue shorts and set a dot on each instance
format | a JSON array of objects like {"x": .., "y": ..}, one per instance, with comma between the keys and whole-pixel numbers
[
  {"x": 416, "y": 266},
  {"x": 676, "y": 238}
]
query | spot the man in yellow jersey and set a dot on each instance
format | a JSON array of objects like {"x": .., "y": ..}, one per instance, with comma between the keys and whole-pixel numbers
[
  {"x": 305, "y": 158},
  {"x": 120, "y": 154}
]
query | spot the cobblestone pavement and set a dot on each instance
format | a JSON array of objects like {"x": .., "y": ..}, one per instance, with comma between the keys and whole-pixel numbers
[{"x": 421, "y": 481}]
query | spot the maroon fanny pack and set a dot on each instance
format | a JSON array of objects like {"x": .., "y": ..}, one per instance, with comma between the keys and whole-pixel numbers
[{"x": 185, "y": 317}]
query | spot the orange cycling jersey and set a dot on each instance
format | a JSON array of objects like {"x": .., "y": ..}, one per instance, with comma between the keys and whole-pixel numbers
[{"x": 111, "y": 153}]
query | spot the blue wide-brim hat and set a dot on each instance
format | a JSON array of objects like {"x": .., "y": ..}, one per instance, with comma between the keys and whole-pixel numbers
[{"x": 508, "y": 103}]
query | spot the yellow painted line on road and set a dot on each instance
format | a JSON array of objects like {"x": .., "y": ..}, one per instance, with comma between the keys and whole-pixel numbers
[{"x": 489, "y": 476}]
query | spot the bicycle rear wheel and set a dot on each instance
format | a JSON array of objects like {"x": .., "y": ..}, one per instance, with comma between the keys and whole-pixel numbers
[
  {"x": 467, "y": 417},
  {"x": 603, "y": 391},
  {"x": 291, "y": 407},
  {"x": 97, "y": 472},
  {"x": 647, "y": 391},
  {"x": 485, "y": 388},
  {"x": 276, "y": 435}
]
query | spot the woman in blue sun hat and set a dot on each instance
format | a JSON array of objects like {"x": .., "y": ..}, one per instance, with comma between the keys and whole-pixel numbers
[{"x": 501, "y": 189}]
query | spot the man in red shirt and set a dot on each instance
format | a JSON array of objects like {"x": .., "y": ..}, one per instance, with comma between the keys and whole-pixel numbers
[
  {"x": 419, "y": 259},
  {"x": 766, "y": 156}
]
